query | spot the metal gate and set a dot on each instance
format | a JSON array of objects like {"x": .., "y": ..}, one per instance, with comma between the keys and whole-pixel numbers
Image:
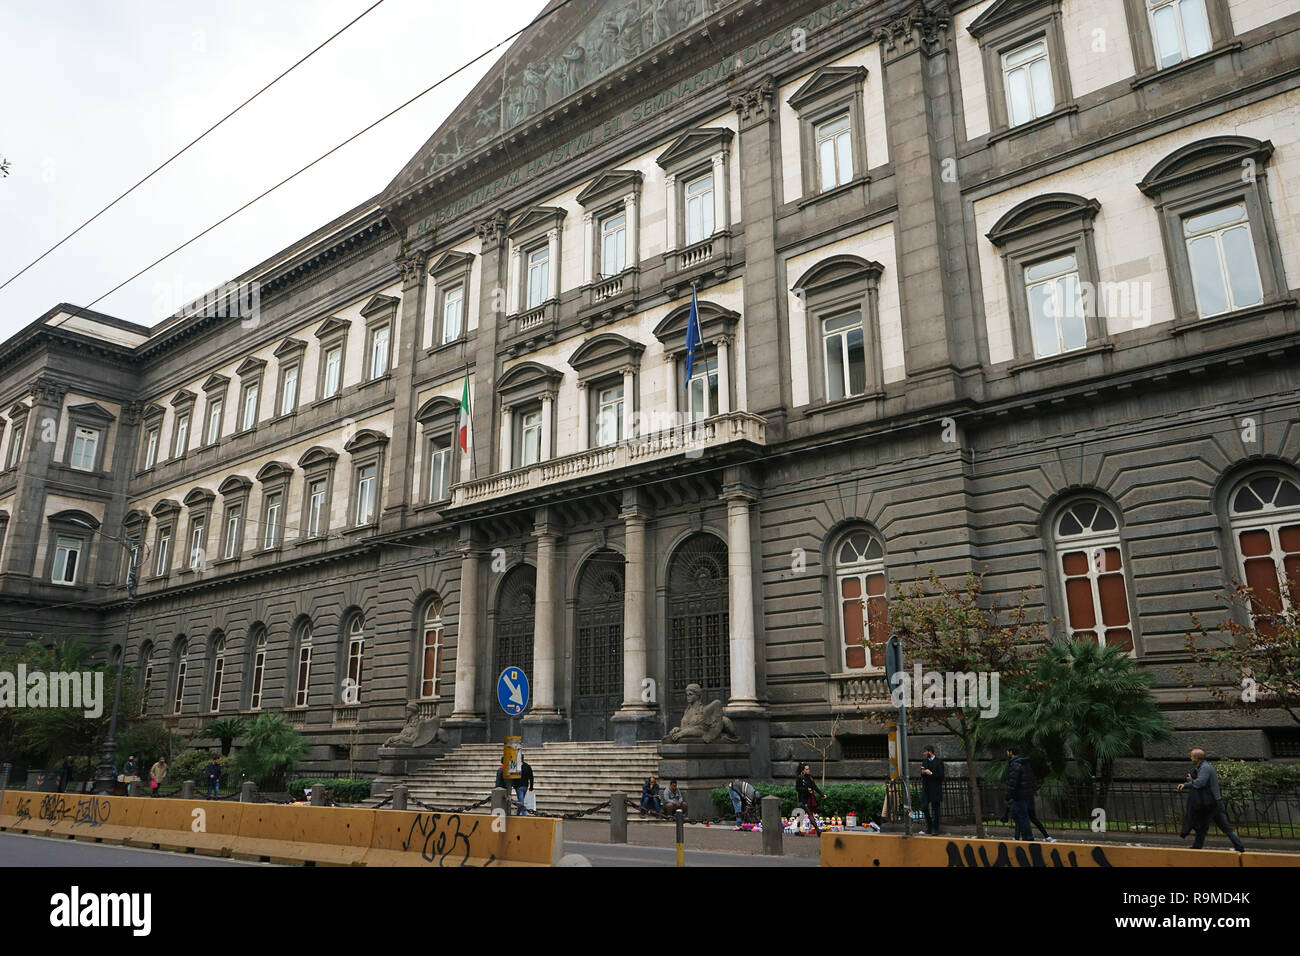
[
  {"x": 513, "y": 633},
  {"x": 598, "y": 646},
  {"x": 699, "y": 649}
]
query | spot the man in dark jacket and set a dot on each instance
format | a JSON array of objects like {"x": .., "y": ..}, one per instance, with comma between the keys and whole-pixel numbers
[
  {"x": 1020, "y": 790},
  {"x": 1205, "y": 803},
  {"x": 931, "y": 788},
  {"x": 650, "y": 795},
  {"x": 212, "y": 774}
]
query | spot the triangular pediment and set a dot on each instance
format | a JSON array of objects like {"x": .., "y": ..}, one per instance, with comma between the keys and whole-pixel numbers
[
  {"x": 558, "y": 60},
  {"x": 827, "y": 80},
  {"x": 695, "y": 143},
  {"x": 1003, "y": 12},
  {"x": 612, "y": 183},
  {"x": 215, "y": 382},
  {"x": 379, "y": 305},
  {"x": 183, "y": 397},
  {"x": 152, "y": 410},
  {"x": 250, "y": 366},
  {"x": 451, "y": 263},
  {"x": 536, "y": 217},
  {"x": 92, "y": 410},
  {"x": 289, "y": 347},
  {"x": 331, "y": 326}
]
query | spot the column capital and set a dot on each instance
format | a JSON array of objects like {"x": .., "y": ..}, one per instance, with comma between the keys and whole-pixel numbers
[
  {"x": 739, "y": 492},
  {"x": 545, "y": 524},
  {"x": 492, "y": 230},
  {"x": 47, "y": 391},
  {"x": 918, "y": 28},
  {"x": 756, "y": 104},
  {"x": 411, "y": 267}
]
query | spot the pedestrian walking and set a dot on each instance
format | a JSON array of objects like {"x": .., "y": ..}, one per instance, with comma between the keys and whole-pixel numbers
[
  {"x": 523, "y": 785},
  {"x": 931, "y": 788},
  {"x": 1205, "y": 803},
  {"x": 212, "y": 774},
  {"x": 1033, "y": 818},
  {"x": 807, "y": 792},
  {"x": 1020, "y": 792},
  {"x": 157, "y": 774}
]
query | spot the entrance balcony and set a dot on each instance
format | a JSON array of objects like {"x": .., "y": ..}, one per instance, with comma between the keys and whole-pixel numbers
[{"x": 734, "y": 429}]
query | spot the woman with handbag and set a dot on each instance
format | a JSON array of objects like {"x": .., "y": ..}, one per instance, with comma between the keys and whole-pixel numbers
[{"x": 807, "y": 792}]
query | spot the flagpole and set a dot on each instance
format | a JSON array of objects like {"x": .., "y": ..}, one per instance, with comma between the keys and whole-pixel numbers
[{"x": 473, "y": 462}]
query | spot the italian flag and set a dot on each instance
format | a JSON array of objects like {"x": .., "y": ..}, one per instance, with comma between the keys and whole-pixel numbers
[{"x": 464, "y": 415}]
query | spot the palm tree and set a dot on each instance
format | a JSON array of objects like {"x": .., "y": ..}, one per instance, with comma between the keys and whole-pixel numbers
[
  {"x": 226, "y": 731},
  {"x": 1085, "y": 703},
  {"x": 271, "y": 748}
]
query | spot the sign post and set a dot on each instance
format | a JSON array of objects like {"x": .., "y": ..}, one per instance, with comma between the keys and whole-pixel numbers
[
  {"x": 894, "y": 665},
  {"x": 512, "y": 695}
]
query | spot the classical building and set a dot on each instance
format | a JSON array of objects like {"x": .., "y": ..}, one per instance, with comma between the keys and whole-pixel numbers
[{"x": 1005, "y": 285}]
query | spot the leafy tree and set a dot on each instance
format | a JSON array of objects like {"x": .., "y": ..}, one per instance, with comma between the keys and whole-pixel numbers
[
  {"x": 1082, "y": 703},
  {"x": 1254, "y": 665},
  {"x": 148, "y": 740},
  {"x": 958, "y": 630},
  {"x": 225, "y": 731},
  {"x": 271, "y": 749}
]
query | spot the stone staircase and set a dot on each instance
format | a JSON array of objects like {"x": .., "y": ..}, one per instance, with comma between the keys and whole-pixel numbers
[{"x": 569, "y": 775}]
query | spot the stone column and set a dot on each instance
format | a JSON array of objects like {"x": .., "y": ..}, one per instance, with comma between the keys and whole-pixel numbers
[
  {"x": 28, "y": 504},
  {"x": 670, "y": 190},
  {"x": 583, "y": 430},
  {"x": 721, "y": 217},
  {"x": 766, "y": 336},
  {"x": 467, "y": 639},
  {"x": 507, "y": 437},
  {"x": 553, "y": 264},
  {"x": 670, "y": 367},
  {"x": 493, "y": 275},
  {"x": 589, "y": 240},
  {"x": 724, "y": 376},
  {"x": 398, "y": 495},
  {"x": 635, "y": 719},
  {"x": 744, "y": 657},
  {"x": 543, "y": 722},
  {"x": 548, "y": 412},
  {"x": 632, "y": 208}
]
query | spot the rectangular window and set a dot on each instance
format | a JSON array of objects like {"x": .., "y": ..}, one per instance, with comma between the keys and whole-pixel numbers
[
  {"x": 609, "y": 415},
  {"x": 356, "y": 650},
  {"x": 289, "y": 390},
  {"x": 1055, "y": 306},
  {"x": 530, "y": 438},
  {"x": 453, "y": 307},
  {"x": 333, "y": 368},
  {"x": 249, "y": 418},
  {"x": 834, "y": 145},
  {"x": 259, "y": 669},
  {"x": 218, "y": 671},
  {"x": 613, "y": 244},
  {"x": 439, "y": 471},
  {"x": 234, "y": 532},
  {"x": 864, "y": 617},
  {"x": 304, "y": 675},
  {"x": 16, "y": 445},
  {"x": 151, "y": 448},
  {"x": 182, "y": 434},
  {"x": 432, "y": 668},
  {"x": 1180, "y": 30},
  {"x": 271, "y": 527},
  {"x": 539, "y": 276},
  {"x": 846, "y": 356},
  {"x": 316, "y": 508},
  {"x": 1027, "y": 77},
  {"x": 365, "y": 494},
  {"x": 379, "y": 351},
  {"x": 1096, "y": 598},
  {"x": 1221, "y": 255},
  {"x": 163, "y": 556},
  {"x": 702, "y": 389},
  {"x": 198, "y": 542},
  {"x": 698, "y": 195},
  {"x": 215, "y": 409},
  {"x": 85, "y": 443},
  {"x": 180, "y": 687},
  {"x": 67, "y": 555}
]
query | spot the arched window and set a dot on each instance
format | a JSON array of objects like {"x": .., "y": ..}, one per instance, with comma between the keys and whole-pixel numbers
[
  {"x": 356, "y": 654},
  {"x": 218, "y": 671},
  {"x": 1091, "y": 568},
  {"x": 303, "y": 679},
  {"x": 1265, "y": 515},
  {"x": 258, "y": 668},
  {"x": 179, "y": 653},
  {"x": 860, "y": 593},
  {"x": 431, "y": 651}
]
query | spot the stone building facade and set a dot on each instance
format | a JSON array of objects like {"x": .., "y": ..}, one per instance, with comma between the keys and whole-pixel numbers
[{"x": 1006, "y": 285}]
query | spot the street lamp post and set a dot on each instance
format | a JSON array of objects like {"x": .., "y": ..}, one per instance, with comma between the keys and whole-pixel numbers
[{"x": 106, "y": 773}]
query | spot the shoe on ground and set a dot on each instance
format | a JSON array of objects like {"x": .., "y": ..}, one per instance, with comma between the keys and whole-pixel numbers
[{"x": 1049, "y": 839}]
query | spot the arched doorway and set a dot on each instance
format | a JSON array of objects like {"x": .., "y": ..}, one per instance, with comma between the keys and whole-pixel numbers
[
  {"x": 698, "y": 649},
  {"x": 512, "y": 642},
  {"x": 598, "y": 646}
]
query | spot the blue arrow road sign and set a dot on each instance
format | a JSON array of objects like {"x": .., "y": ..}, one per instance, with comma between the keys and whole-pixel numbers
[{"x": 512, "y": 691}]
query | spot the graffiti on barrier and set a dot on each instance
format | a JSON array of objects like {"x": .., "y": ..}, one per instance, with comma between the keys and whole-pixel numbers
[
  {"x": 91, "y": 811},
  {"x": 1027, "y": 855},
  {"x": 438, "y": 836},
  {"x": 24, "y": 809}
]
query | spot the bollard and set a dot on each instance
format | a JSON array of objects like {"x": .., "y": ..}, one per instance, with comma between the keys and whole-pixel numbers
[
  {"x": 187, "y": 789},
  {"x": 499, "y": 801},
  {"x": 618, "y": 818},
  {"x": 773, "y": 844},
  {"x": 399, "y": 797},
  {"x": 136, "y": 789},
  {"x": 248, "y": 792},
  {"x": 318, "y": 795},
  {"x": 680, "y": 817}
]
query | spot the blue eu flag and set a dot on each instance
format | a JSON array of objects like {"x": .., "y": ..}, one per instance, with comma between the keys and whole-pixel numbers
[{"x": 693, "y": 337}]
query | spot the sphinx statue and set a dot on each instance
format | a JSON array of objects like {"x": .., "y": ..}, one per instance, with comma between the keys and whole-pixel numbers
[
  {"x": 702, "y": 722},
  {"x": 418, "y": 731}
]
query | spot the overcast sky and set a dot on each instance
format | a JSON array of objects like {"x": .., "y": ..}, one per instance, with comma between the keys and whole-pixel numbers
[{"x": 95, "y": 94}]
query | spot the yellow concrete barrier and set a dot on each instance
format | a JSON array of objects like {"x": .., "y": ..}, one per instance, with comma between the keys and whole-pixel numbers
[
  {"x": 406, "y": 838},
  {"x": 288, "y": 834},
  {"x": 208, "y": 827},
  {"x": 83, "y": 816},
  {"x": 19, "y": 812},
  {"x": 879, "y": 850}
]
